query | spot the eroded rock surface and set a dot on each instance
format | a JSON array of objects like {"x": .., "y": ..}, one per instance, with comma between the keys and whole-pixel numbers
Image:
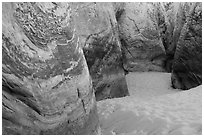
[
  {"x": 46, "y": 86},
  {"x": 140, "y": 37},
  {"x": 187, "y": 65},
  {"x": 172, "y": 18},
  {"x": 46, "y": 83},
  {"x": 163, "y": 37},
  {"x": 103, "y": 50}
]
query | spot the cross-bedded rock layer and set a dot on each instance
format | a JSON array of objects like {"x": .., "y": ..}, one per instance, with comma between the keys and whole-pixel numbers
[
  {"x": 46, "y": 85},
  {"x": 47, "y": 77}
]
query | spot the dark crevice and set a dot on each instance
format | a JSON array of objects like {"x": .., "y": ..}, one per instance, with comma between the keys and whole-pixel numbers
[{"x": 23, "y": 96}]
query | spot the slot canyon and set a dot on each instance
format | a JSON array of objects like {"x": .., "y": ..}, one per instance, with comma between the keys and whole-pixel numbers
[{"x": 60, "y": 59}]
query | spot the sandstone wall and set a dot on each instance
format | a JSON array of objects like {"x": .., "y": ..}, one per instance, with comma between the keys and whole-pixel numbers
[
  {"x": 140, "y": 37},
  {"x": 187, "y": 64},
  {"x": 52, "y": 54},
  {"x": 46, "y": 86},
  {"x": 102, "y": 50}
]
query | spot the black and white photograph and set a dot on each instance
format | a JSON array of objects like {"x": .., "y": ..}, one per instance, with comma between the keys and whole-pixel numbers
[{"x": 101, "y": 68}]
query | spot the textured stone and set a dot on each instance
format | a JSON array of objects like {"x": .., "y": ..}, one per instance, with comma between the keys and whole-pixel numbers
[
  {"x": 172, "y": 19},
  {"x": 140, "y": 37},
  {"x": 46, "y": 83},
  {"x": 45, "y": 78},
  {"x": 187, "y": 64},
  {"x": 103, "y": 51}
]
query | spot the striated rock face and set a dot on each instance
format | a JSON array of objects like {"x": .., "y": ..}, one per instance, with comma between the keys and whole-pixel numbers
[
  {"x": 47, "y": 77},
  {"x": 102, "y": 50},
  {"x": 187, "y": 64},
  {"x": 46, "y": 86},
  {"x": 162, "y": 37},
  {"x": 172, "y": 19},
  {"x": 140, "y": 37}
]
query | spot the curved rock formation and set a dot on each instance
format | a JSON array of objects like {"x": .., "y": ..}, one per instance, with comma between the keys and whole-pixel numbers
[
  {"x": 172, "y": 20},
  {"x": 46, "y": 85},
  {"x": 140, "y": 37},
  {"x": 163, "y": 37},
  {"x": 102, "y": 50},
  {"x": 187, "y": 65}
]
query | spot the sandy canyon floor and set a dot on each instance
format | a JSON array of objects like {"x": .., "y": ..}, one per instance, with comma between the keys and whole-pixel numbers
[{"x": 153, "y": 107}]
